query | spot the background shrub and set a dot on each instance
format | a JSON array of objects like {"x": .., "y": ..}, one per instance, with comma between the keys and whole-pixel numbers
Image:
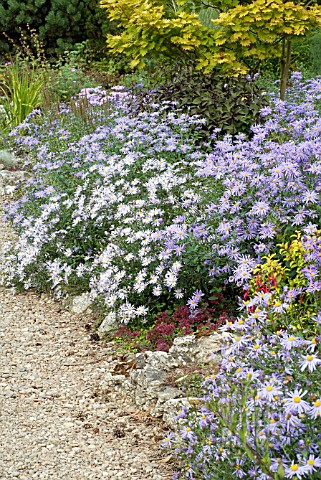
[
  {"x": 315, "y": 52},
  {"x": 60, "y": 23},
  {"x": 229, "y": 104}
]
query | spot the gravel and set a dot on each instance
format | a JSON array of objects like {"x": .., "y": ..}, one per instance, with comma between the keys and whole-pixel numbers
[{"x": 58, "y": 421}]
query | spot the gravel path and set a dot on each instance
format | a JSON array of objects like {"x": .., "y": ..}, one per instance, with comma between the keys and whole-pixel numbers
[{"x": 57, "y": 420}]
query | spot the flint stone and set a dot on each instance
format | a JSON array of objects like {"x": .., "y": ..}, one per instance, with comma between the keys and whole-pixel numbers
[
  {"x": 148, "y": 377},
  {"x": 108, "y": 325},
  {"x": 168, "y": 393},
  {"x": 80, "y": 303},
  {"x": 158, "y": 360},
  {"x": 190, "y": 349},
  {"x": 8, "y": 159},
  {"x": 171, "y": 409},
  {"x": 144, "y": 386}
]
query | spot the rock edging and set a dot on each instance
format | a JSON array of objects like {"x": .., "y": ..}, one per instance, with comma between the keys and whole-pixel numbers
[
  {"x": 147, "y": 381},
  {"x": 146, "y": 378}
]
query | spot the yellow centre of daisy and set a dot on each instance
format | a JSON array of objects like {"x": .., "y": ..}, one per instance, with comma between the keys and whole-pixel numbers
[
  {"x": 313, "y": 340},
  {"x": 240, "y": 322},
  {"x": 269, "y": 388},
  {"x": 297, "y": 399},
  {"x": 256, "y": 346},
  {"x": 239, "y": 370},
  {"x": 294, "y": 467},
  {"x": 310, "y": 462},
  {"x": 188, "y": 429},
  {"x": 291, "y": 339},
  {"x": 317, "y": 403},
  {"x": 309, "y": 358}
]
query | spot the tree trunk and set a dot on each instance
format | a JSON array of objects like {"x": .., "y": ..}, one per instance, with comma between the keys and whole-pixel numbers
[{"x": 285, "y": 66}]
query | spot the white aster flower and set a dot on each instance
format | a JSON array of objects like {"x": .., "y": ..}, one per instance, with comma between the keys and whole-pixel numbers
[
  {"x": 157, "y": 290},
  {"x": 313, "y": 463},
  {"x": 315, "y": 410},
  {"x": 310, "y": 362},
  {"x": 295, "y": 402},
  {"x": 269, "y": 391},
  {"x": 179, "y": 293},
  {"x": 141, "y": 310}
]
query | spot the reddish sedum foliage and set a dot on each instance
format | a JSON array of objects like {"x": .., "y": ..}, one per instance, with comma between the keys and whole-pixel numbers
[
  {"x": 169, "y": 326},
  {"x": 181, "y": 322},
  {"x": 125, "y": 333}
]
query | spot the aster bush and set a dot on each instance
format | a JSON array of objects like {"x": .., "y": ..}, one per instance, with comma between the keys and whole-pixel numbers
[
  {"x": 108, "y": 211},
  {"x": 260, "y": 413}
]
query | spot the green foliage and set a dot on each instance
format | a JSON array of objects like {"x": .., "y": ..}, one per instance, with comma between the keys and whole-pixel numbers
[
  {"x": 60, "y": 23},
  {"x": 308, "y": 54},
  {"x": 151, "y": 29},
  {"x": 315, "y": 52},
  {"x": 67, "y": 76},
  {"x": 230, "y": 104},
  {"x": 21, "y": 87},
  {"x": 255, "y": 30}
]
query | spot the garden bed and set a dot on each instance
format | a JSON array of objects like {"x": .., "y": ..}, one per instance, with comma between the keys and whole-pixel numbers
[{"x": 170, "y": 236}]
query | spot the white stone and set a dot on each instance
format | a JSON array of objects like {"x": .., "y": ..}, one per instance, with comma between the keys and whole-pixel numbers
[
  {"x": 190, "y": 349},
  {"x": 108, "y": 325},
  {"x": 207, "y": 347},
  {"x": 8, "y": 159},
  {"x": 172, "y": 407},
  {"x": 157, "y": 359},
  {"x": 80, "y": 303}
]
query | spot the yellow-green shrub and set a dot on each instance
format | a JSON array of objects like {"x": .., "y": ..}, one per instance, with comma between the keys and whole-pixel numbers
[
  {"x": 283, "y": 276},
  {"x": 243, "y": 35}
]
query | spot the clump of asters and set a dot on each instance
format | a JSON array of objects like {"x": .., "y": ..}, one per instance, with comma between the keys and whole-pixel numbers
[{"x": 260, "y": 416}]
